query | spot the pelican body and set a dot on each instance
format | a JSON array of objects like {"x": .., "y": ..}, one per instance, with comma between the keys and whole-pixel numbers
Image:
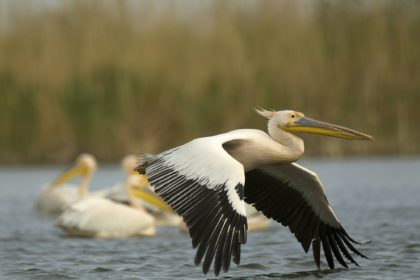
[
  {"x": 99, "y": 217},
  {"x": 208, "y": 180}
]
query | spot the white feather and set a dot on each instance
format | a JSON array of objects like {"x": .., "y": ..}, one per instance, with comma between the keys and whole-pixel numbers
[
  {"x": 100, "y": 217},
  {"x": 52, "y": 201}
]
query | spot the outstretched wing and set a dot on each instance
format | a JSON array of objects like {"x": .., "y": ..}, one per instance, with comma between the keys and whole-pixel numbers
[
  {"x": 204, "y": 185},
  {"x": 294, "y": 196}
]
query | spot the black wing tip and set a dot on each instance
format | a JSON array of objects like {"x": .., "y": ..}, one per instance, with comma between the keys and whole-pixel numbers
[
  {"x": 335, "y": 242},
  {"x": 209, "y": 227},
  {"x": 347, "y": 239},
  {"x": 217, "y": 272},
  {"x": 141, "y": 167},
  {"x": 343, "y": 231},
  {"x": 143, "y": 162},
  {"x": 316, "y": 249},
  {"x": 196, "y": 261}
]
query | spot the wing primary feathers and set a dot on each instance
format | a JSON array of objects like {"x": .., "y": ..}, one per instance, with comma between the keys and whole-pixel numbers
[
  {"x": 242, "y": 236},
  {"x": 336, "y": 252},
  {"x": 235, "y": 244},
  {"x": 227, "y": 247},
  {"x": 200, "y": 201},
  {"x": 200, "y": 226},
  {"x": 349, "y": 238},
  {"x": 205, "y": 240},
  {"x": 219, "y": 251},
  {"x": 215, "y": 228},
  {"x": 177, "y": 198},
  {"x": 316, "y": 250},
  {"x": 326, "y": 247},
  {"x": 351, "y": 246},
  {"x": 224, "y": 239},
  {"x": 212, "y": 246},
  {"x": 236, "y": 248},
  {"x": 344, "y": 249}
]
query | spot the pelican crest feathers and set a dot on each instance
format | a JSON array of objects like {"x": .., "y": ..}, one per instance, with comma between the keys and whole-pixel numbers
[{"x": 265, "y": 113}]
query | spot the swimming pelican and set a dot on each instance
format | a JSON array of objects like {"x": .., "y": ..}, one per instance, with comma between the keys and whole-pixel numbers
[
  {"x": 53, "y": 199},
  {"x": 207, "y": 181},
  {"x": 154, "y": 205},
  {"x": 96, "y": 216},
  {"x": 118, "y": 191},
  {"x": 163, "y": 214}
]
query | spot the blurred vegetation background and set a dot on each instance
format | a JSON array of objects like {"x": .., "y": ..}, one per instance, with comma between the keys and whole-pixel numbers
[{"x": 117, "y": 77}]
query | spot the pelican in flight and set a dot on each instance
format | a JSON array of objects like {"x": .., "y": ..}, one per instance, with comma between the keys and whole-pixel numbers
[
  {"x": 208, "y": 180},
  {"x": 97, "y": 216},
  {"x": 54, "y": 198}
]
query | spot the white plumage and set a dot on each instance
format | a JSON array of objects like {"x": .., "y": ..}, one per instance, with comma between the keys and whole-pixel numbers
[
  {"x": 156, "y": 207},
  {"x": 227, "y": 171},
  {"x": 100, "y": 217},
  {"x": 53, "y": 201},
  {"x": 207, "y": 181}
]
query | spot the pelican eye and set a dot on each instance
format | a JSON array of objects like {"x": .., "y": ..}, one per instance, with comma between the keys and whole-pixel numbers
[{"x": 293, "y": 115}]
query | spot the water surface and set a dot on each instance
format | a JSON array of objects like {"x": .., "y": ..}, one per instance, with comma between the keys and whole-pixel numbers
[{"x": 376, "y": 200}]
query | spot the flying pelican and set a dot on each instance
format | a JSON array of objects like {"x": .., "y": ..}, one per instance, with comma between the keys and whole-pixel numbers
[
  {"x": 96, "y": 216},
  {"x": 208, "y": 180},
  {"x": 54, "y": 198}
]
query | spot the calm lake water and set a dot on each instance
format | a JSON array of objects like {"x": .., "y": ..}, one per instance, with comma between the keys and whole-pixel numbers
[{"x": 377, "y": 200}]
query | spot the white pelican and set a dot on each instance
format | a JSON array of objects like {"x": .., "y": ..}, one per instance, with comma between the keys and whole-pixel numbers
[
  {"x": 154, "y": 205},
  {"x": 118, "y": 191},
  {"x": 208, "y": 180},
  {"x": 53, "y": 199},
  {"x": 163, "y": 214},
  {"x": 96, "y": 216}
]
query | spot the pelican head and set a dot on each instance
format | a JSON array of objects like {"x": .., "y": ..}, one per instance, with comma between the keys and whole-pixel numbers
[
  {"x": 296, "y": 122},
  {"x": 137, "y": 181},
  {"x": 137, "y": 186},
  {"x": 128, "y": 163},
  {"x": 85, "y": 166}
]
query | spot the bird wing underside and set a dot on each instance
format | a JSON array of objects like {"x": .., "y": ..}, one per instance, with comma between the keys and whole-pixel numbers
[
  {"x": 211, "y": 210},
  {"x": 294, "y": 197}
]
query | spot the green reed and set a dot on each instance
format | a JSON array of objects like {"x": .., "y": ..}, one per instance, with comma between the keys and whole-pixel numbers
[{"x": 114, "y": 79}]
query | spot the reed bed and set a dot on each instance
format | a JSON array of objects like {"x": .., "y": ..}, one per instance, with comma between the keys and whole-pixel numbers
[{"x": 124, "y": 77}]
